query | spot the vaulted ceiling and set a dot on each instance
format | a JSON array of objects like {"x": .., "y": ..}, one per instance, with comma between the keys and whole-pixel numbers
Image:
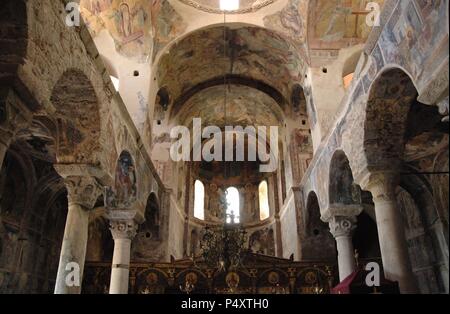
[
  {"x": 267, "y": 48},
  {"x": 244, "y": 106},
  {"x": 250, "y": 52}
]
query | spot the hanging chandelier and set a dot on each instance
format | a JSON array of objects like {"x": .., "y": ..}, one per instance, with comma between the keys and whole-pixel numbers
[{"x": 223, "y": 246}]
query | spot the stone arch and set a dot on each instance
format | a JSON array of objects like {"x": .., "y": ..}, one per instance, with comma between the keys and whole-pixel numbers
[
  {"x": 153, "y": 216},
  {"x": 148, "y": 245},
  {"x": 390, "y": 97},
  {"x": 316, "y": 240},
  {"x": 78, "y": 118},
  {"x": 298, "y": 100},
  {"x": 181, "y": 88},
  {"x": 424, "y": 232},
  {"x": 39, "y": 215},
  {"x": 342, "y": 189},
  {"x": 312, "y": 218},
  {"x": 16, "y": 185},
  {"x": 47, "y": 190},
  {"x": 165, "y": 50}
]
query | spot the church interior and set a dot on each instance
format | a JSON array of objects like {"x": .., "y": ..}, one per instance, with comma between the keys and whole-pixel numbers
[{"x": 96, "y": 94}]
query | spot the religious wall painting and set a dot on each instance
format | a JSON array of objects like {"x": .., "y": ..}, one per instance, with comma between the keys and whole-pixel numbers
[
  {"x": 246, "y": 106},
  {"x": 411, "y": 30},
  {"x": 125, "y": 179},
  {"x": 291, "y": 22},
  {"x": 151, "y": 282},
  {"x": 166, "y": 23},
  {"x": 128, "y": 22},
  {"x": 310, "y": 106},
  {"x": 273, "y": 282},
  {"x": 335, "y": 24},
  {"x": 254, "y": 52}
]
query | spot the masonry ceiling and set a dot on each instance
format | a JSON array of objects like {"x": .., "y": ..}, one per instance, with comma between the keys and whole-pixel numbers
[
  {"x": 245, "y": 106},
  {"x": 251, "y": 52},
  {"x": 141, "y": 28},
  {"x": 186, "y": 50}
]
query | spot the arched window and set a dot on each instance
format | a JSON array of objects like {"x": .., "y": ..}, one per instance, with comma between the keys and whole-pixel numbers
[
  {"x": 199, "y": 200},
  {"x": 232, "y": 195},
  {"x": 264, "y": 211}
]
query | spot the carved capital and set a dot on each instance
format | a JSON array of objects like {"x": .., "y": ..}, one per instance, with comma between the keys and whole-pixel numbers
[
  {"x": 81, "y": 182},
  {"x": 382, "y": 185},
  {"x": 123, "y": 229},
  {"x": 341, "y": 226},
  {"x": 83, "y": 191}
]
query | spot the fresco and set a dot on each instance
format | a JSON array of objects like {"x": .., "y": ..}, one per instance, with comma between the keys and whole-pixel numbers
[
  {"x": 337, "y": 23},
  {"x": 245, "y": 106},
  {"x": 411, "y": 31},
  {"x": 140, "y": 28},
  {"x": 252, "y": 52},
  {"x": 125, "y": 185},
  {"x": 291, "y": 22},
  {"x": 167, "y": 24},
  {"x": 128, "y": 22}
]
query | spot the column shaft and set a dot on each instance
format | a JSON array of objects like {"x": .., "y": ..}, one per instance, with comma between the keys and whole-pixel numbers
[
  {"x": 123, "y": 231},
  {"x": 393, "y": 246},
  {"x": 73, "y": 250},
  {"x": 82, "y": 192},
  {"x": 391, "y": 231},
  {"x": 346, "y": 256},
  {"x": 342, "y": 227},
  {"x": 120, "y": 267}
]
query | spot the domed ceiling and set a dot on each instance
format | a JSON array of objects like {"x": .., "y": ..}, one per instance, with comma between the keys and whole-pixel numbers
[
  {"x": 245, "y": 106},
  {"x": 251, "y": 52},
  {"x": 213, "y": 6}
]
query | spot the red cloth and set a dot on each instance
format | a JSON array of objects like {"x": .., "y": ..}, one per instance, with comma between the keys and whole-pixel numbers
[{"x": 344, "y": 286}]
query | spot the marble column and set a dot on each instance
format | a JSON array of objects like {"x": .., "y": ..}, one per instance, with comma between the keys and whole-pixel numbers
[
  {"x": 342, "y": 228},
  {"x": 391, "y": 233},
  {"x": 82, "y": 194},
  {"x": 123, "y": 232}
]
